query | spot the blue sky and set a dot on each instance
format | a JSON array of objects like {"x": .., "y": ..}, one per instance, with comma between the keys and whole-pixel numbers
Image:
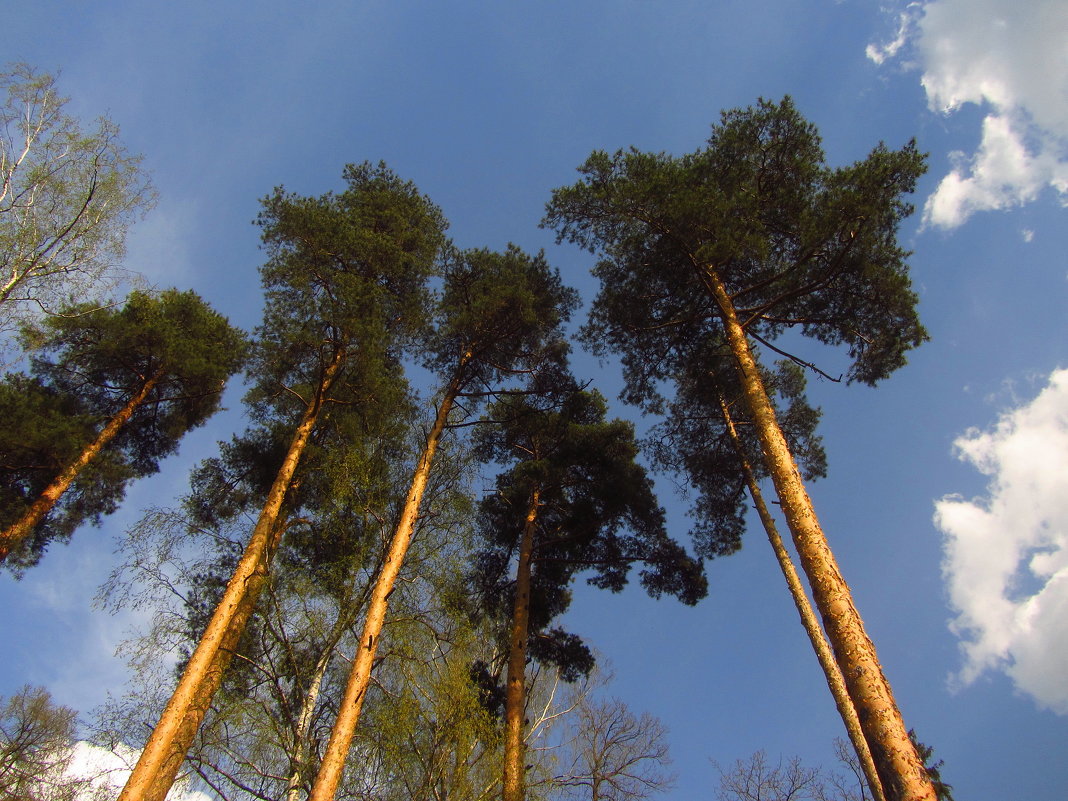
[{"x": 946, "y": 498}]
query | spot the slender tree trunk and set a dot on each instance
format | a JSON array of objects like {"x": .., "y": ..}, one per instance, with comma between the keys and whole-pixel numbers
[
  {"x": 300, "y": 734},
  {"x": 337, "y": 749},
  {"x": 307, "y": 708},
  {"x": 515, "y": 689},
  {"x": 835, "y": 681},
  {"x": 900, "y": 768},
  {"x": 165, "y": 751},
  {"x": 24, "y": 526}
]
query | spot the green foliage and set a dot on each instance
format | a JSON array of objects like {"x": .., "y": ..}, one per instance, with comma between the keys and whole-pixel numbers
[
  {"x": 45, "y": 430},
  {"x": 104, "y": 356},
  {"x": 67, "y": 198},
  {"x": 798, "y": 244},
  {"x": 307, "y": 621},
  {"x": 36, "y": 739},
  {"x": 426, "y": 736},
  {"x": 346, "y": 284},
  {"x": 346, "y": 273},
  {"x": 90, "y": 363},
  {"x": 694, "y": 440},
  {"x": 597, "y": 513},
  {"x": 346, "y": 295},
  {"x": 500, "y": 316}
]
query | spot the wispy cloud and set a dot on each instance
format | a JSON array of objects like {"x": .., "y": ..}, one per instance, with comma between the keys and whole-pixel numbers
[
  {"x": 157, "y": 247},
  {"x": 1008, "y": 57},
  {"x": 1006, "y": 554}
]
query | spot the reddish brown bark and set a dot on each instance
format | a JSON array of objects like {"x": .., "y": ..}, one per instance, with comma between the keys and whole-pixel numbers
[
  {"x": 900, "y": 768},
  {"x": 49, "y": 497},
  {"x": 333, "y": 762},
  {"x": 515, "y": 689},
  {"x": 205, "y": 692},
  {"x": 831, "y": 671},
  {"x": 165, "y": 751}
]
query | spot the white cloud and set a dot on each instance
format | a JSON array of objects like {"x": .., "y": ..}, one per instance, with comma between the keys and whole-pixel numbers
[
  {"x": 106, "y": 771},
  {"x": 905, "y": 31},
  {"x": 1008, "y": 57},
  {"x": 1006, "y": 555}
]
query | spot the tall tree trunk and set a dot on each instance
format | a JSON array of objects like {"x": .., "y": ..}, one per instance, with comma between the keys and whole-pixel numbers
[
  {"x": 186, "y": 732},
  {"x": 337, "y": 749},
  {"x": 835, "y": 681},
  {"x": 515, "y": 688},
  {"x": 899, "y": 766},
  {"x": 24, "y": 526},
  {"x": 165, "y": 751}
]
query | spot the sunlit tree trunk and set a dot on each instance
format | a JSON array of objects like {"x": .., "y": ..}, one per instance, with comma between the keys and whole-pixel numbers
[
  {"x": 165, "y": 751},
  {"x": 835, "y": 681},
  {"x": 213, "y": 677},
  {"x": 49, "y": 497},
  {"x": 337, "y": 749},
  {"x": 515, "y": 689},
  {"x": 899, "y": 766}
]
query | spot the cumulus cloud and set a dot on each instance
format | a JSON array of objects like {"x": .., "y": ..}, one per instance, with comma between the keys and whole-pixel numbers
[
  {"x": 1006, "y": 554},
  {"x": 1009, "y": 58}
]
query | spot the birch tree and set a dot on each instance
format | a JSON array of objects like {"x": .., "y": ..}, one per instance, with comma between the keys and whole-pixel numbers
[{"x": 67, "y": 197}]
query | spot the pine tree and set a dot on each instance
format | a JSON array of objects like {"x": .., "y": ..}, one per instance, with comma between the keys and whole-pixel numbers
[
  {"x": 498, "y": 317},
  {"x": 345, "y": 290},
  {"x": 115, "y": 390},
  {"x": 573, "y": 500},
  {"x": 741, "y": 241}
]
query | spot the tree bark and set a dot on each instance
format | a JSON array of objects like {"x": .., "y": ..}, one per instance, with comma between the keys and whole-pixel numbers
[
  {"x": 835, "y": 681},
  {"x": 49, "y": 497},
  {"x": 337, "y": 749},
  {"x": 515, "y": 689},
  {"x": 900, "y": 768},
  {"x": 307, "y": 708},
  {"x": 205, "y": 691},
  {"x": 165, "y": 751}
]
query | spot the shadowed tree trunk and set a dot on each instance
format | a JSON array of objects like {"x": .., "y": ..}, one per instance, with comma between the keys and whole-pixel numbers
[
  {"x": 572, "y": 500},
  {"x": 515, "y": 689}
]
